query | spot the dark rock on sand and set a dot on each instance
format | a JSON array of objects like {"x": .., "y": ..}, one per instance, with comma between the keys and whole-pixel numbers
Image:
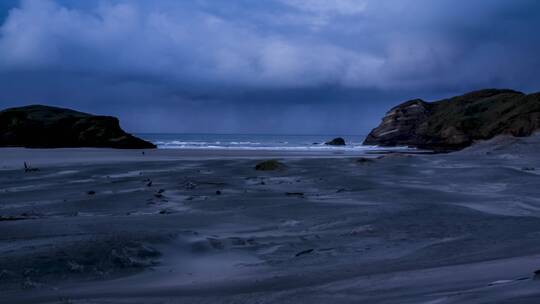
[
  {"x": 304, "y": 252},
  {"x": 338, "y": 141},
  {"x": 294, "y": 194},
  {"x": 364, "y": 160},
  {"x": 269, "y": 165},
  {"x": 455, "y": 123},
  {"x": 11, "y": 218},
  {"x": 39, "y": 126}
]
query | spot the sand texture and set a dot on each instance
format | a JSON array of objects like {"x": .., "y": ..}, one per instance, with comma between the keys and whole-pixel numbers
[{"x": 106, "y": 226}]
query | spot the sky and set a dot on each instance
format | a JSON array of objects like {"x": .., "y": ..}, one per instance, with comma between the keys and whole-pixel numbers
[{"x": 268, "y": 66}]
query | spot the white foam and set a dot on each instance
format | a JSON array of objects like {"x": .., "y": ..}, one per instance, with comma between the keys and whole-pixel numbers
[{"x": 259, "y": 146}]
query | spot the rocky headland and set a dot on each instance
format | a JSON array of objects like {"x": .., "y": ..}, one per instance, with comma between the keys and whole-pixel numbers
[
  {"x": 39, "y": 126},
  {"x": 455, "y": 123}
]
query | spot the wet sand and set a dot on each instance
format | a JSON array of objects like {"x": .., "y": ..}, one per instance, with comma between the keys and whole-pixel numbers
[{"x": 172, "y": 226}]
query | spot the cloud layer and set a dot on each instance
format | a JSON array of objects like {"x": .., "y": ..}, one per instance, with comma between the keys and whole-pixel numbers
[{"x": 222, "y": 61}]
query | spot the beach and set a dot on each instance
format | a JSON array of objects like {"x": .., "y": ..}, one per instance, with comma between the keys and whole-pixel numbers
[{"x": 203, "y": 226}]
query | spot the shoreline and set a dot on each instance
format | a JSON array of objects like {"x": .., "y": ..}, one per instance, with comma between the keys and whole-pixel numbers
[{"x": 14, "y": 158}]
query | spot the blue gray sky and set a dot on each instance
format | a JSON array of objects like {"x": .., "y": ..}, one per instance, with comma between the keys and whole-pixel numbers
[{"x": 272, "y": 66}]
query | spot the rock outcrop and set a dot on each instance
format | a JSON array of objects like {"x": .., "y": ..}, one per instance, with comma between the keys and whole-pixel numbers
[
  {"x": 455, "y": 123},
  {"x": 39, "y": 126},
  {"x": 338, "y": 141},
  {"x": 270, "y": 165}
]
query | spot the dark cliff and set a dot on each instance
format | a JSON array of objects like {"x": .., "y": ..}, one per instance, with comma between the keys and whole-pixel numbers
[
  {"x": 455, "y": 123},
  {"x": 39, "y": 126}
]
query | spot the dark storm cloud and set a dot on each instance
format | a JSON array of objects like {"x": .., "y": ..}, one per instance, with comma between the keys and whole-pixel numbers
[{"x": 290, "y": 66}]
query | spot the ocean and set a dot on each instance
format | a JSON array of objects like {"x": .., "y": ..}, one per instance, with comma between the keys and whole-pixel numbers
[{"x": 257, "y": 142}]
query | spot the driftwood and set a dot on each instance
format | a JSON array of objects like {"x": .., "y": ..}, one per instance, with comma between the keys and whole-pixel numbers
[{"x": 27, "y": 168}]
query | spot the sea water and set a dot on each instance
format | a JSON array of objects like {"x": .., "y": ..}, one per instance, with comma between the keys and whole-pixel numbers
[{"x": 257, "y": 142}]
